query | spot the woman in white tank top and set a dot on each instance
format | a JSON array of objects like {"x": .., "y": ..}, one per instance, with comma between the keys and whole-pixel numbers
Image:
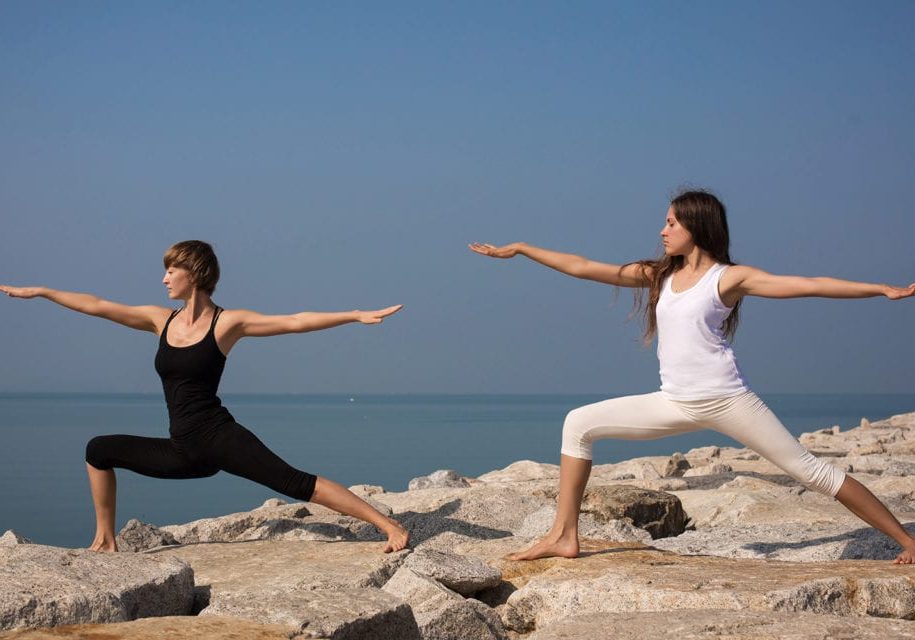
[{"x": 693, "y": 301}]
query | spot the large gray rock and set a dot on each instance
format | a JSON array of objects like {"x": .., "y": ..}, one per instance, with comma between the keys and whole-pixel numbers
[
  {"x": 464, "y": 574},
  {"x": 441, "y": 479},
  {"x": 442, "y": 614},
  {"x": 44, "y": 586},
  {"x": 322, "y": 587},
  {"x": 750, "y": 499},
  {"x": 419, "y": 591},
  {"x": 882, "y": 597},
  {"x": 647, "y": 580},
  {"x": 264, "y": 523},
  {"x": 729, "y": 625},
  {"x": 286, "y": 565},
  {"x": 659, "y": 513},
  {"x": 140, "y": 536},
  {"x": 464, "y": 620},
  {"x": 340, "y": 614}
]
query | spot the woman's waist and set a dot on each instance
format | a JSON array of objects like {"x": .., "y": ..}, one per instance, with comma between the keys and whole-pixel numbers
[{"x": 183, "y": 419}]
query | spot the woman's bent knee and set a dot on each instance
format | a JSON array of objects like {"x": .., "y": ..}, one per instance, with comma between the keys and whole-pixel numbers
[
  {"x": 575, "y": 439},
  {"x": 97, "y": 452},
  {"x": 828, "y": 480},
  {"x": 819, "y": 476}
]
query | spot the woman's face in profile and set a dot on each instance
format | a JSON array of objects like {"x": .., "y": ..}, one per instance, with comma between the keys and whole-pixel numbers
[
  {"x": 178, "y": 282},
  {"x": 677, "y": 240}
]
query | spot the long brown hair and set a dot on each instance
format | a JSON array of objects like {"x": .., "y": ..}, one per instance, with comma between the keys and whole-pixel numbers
[{"x": 704, "y": 216}]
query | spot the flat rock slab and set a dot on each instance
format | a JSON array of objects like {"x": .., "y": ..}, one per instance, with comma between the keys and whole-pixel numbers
[
  {"x": 787, "y": 541},
  {"x": 322, "y": 588},
  {"x": 481, "y": 511},
  {"x": 340, "y": 614},
  {"x": 625, "y": 578},
  {"x": 751, "y": 500},
  {"x": 489, "y": 551},
  {"x": 173, "y": 628},
  {"x": 724, "y": 625},
  {"x": 286, "y": 564},
  {"x": 43, "y": 586}
]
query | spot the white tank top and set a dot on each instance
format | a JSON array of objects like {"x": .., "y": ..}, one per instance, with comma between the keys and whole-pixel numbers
[{"x": 697, "y": 362}]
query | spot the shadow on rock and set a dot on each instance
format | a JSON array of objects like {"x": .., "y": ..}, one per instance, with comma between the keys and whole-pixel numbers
[
  {"x": 718, "y": 480},
  {"x": 860, "y": 544},
  {"x": 425, "y": 525}
]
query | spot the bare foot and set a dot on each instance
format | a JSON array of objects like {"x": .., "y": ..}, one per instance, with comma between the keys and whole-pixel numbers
[
  {"x": 398, "y": 537},
  {"x": 906, "y": 557},
  {"x": 104, "y": 545},
  {"x": 548, "y": 548}
]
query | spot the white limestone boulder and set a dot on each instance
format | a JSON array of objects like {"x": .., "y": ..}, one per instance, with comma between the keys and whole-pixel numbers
[{"x": 43, "y": 586}]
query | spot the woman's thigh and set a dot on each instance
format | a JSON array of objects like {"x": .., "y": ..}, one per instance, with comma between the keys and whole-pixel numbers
[
  {"x": 748, "y": 420},
  {"x": 643, "y": 417},
  {"x": 153, "y": 457},
  {"x": 236, "y": 450}
]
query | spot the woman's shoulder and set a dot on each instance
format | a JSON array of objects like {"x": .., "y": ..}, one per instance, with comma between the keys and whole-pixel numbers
[
  {"x": 230, "y": 319},
  {"x": 734, "y": 276},
  {"x": 231, "y": 316},
  {"x": 736, "y": 272}
]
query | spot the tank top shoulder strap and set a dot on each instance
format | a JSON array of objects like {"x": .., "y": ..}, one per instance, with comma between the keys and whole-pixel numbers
[
  {"x": 714, "y": 282},
  {"x": 216, "y": 312},
  {"x": 168, "y": 322}
]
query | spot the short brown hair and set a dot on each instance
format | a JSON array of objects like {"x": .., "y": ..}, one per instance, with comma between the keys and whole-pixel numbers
[{"x": 199, "y": 259}]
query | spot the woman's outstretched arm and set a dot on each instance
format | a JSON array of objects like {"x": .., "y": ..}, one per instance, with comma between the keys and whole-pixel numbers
[
  {"x": 628, "y": 275},
  {"x": 144, "y": 318},
  {"x": 242, "y": 323},
  {"x": 741, "y": 280}
]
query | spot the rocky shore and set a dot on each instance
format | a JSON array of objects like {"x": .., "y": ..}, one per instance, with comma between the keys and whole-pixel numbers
[{"x": 711, "y": 543}]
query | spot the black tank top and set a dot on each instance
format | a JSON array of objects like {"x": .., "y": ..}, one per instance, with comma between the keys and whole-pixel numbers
[{"x": 190, "y": 378}]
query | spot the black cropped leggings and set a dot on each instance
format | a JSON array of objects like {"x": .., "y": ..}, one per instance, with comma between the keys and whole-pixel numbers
[{"x": 202, "y": 453}]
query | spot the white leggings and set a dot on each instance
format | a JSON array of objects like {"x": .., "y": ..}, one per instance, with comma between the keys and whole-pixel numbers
[{"x": 743, "y": 417}]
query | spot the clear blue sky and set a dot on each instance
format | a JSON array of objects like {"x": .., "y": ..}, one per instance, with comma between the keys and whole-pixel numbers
[{"x": 341, "y": 155}]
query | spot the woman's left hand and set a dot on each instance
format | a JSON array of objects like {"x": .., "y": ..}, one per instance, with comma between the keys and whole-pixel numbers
[
  {"x": 20, "y": 292},
  {"x": 897, "y": 293},
  {"x": 375, "y": 317}
]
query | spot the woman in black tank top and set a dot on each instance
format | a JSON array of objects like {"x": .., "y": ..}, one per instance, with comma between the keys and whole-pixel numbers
[{"x": 204, "y": 438}]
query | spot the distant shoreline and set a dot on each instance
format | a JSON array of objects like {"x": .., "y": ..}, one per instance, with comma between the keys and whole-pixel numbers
[{"x": 424, "y": 394}]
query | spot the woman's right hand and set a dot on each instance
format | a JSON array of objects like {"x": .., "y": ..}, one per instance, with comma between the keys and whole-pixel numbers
[
  {"x": 898, "y": 293},
  {"x": 20, "y": 292},
  {"x": 508, "y": 251}
]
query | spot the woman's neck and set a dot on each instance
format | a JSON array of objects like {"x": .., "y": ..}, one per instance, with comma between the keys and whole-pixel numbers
[
  {"x": 697, "y": 260},
  {"x": 195, "y": 306}
]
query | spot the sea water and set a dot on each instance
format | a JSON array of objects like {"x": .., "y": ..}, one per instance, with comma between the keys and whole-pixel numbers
[{"x": 381, "y": 440}]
